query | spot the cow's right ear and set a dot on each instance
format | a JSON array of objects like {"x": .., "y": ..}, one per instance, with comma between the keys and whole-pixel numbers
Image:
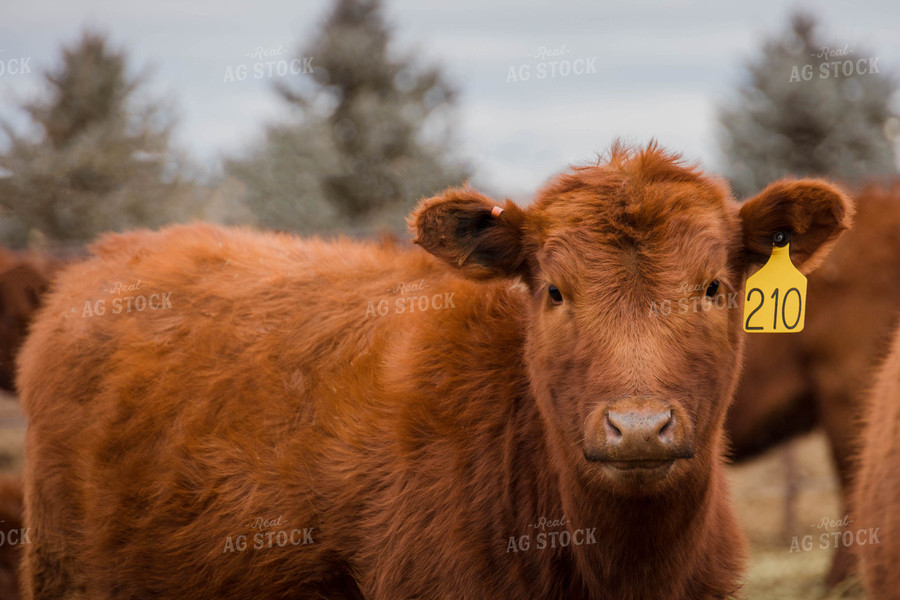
[{"x": 470, "y": 232}]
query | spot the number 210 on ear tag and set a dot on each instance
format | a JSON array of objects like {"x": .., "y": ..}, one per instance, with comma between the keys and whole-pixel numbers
[{"x": 775, "y": 299}]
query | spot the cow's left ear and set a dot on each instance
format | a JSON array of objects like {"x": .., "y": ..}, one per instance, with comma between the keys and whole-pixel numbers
[
  {"x": 813, "y": 211},
  {"x": 470, "y": 232}
]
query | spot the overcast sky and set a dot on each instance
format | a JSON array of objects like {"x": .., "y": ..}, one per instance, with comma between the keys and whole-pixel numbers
[{"x": 652, "y": 68}]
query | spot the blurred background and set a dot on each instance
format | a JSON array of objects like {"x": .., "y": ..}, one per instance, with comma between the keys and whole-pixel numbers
[
  {"x": 336, "y": 116},
  {"x": 326, "y": 116}
]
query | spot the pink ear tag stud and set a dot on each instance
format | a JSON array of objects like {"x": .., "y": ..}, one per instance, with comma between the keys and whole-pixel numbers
[{"x": 496, "y": 211}]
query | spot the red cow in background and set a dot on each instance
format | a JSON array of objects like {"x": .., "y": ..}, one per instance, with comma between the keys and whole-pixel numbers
[
  {"x": 24, "y": 277},
  {"x": 876, "y": 496},
  {"x": 792, "y": 383},
  {"x": 12, "y": 536}
]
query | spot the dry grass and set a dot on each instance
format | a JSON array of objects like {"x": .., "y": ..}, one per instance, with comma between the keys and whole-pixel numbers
[
  {"x": 758, "y": 488},
  {"x": 759, "y": 491}
]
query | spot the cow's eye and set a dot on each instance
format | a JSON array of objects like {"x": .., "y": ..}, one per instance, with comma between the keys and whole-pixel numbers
[
  {"x": 555, "y": 295},
  {"x": 713, "y": 289}
]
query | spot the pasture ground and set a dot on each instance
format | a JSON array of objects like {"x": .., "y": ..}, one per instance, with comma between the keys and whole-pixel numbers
[{"x": 758, "y": 488}]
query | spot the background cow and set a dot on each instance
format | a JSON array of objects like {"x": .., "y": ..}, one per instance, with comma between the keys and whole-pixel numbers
[
  {"x": 408, "y": 444},
  {"x": 792, "y": 383},
  {"x": 24, "y": 277},
  {"x": 876, "y": 497},
  {"x": 12, "y": 536}
]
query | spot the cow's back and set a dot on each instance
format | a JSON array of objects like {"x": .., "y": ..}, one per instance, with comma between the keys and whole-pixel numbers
[
  {"x": 876, "y": 497},
  {"x": 164, "y": 432}
]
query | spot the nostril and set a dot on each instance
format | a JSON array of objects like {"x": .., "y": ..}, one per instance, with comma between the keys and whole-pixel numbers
[
  {"x": 667, "y": 428},
  {"x": 613, "y": 426}
]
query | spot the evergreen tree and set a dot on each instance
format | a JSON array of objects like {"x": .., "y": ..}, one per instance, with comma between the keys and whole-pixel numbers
[
  {"x": 370, "y": 134},
  {"x": 791, "y": 119},
  {"x": 97, "y": 159}
]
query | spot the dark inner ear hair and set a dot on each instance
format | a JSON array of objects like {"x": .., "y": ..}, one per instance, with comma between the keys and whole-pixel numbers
[
  {"x": 474, "y": 225},
  {"x": 492, "y": 247}
]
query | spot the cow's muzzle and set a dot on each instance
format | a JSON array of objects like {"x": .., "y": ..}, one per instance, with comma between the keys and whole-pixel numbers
[{"x": 638, "y": 433}]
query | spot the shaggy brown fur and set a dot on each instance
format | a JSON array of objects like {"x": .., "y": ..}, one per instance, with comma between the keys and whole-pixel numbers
[
  {"x": 415, "y": 444},
  {"x": 792, "y": 383},
  {"x": 876, "y": 495}
]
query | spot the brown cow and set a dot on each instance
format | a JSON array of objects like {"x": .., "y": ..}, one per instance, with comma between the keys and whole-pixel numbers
[
  {"x": 12, "y": 536},
  {"x": 301, "y": 419},
  {"x": 876, "y": 495},
  {"x": 792, "y": 383},
  {"x": 24, "y": 277}
]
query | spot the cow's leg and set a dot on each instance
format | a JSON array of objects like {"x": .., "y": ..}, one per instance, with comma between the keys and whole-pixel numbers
[{"x": 791, "y": 487}]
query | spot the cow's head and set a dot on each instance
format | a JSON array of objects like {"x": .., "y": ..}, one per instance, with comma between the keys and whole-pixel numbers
[{"x": 635, "y": 269}]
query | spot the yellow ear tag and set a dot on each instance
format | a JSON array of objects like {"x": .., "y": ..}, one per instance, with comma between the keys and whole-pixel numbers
[{"x": 775, "y": 298}]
